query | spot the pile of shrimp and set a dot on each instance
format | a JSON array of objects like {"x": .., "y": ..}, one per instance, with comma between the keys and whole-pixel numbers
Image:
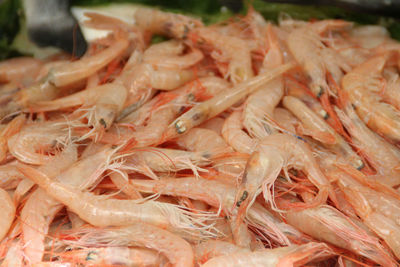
[{"x": 244, "y": 143}]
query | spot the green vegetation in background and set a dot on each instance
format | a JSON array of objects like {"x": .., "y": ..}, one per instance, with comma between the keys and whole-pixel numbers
[{"x": 210, "y": 11}]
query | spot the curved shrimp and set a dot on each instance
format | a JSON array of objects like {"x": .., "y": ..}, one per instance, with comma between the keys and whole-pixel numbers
[
  {"x": 26, "y": 145},
  {"x": 20, "y": 69},
  {"x": 362, "y": 86},
  {"x": 115, "y": 256},
  {"x": 321, "y": 131},
  {"x": 198, "y": 139},
  {"x": 274, "y": 153},
  {"x": 173, "y": 62},
  {"x": 285, "y": 256},
  {"x": 260, "y": 105},
  {"x": 165, "y": 23},
  {"x": 221, "y": 195},
  {"x": 383, "y": 156},
  {"x": 8, "y": 209},
  {"x": 308, "y": 49},
  {"x": 327, "y": 224},
  {"x": 220, "y": 102},
  {"x": 233, "y": 133},
  {"x": 37, "y": 218},
  {"x": 100, "y": 211},
  {"x": 373, "y": 214},
  {"x": 178, "y": 251},
  {"x": 86, "y": 66},
  {"x": 10, "y": 177},
  {"x": 231, "y": 49},
  {"x": 11, "y": 129}
]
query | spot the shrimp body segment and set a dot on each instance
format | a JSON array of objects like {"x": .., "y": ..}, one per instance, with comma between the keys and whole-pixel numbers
[{"x": 8, "y": 212}]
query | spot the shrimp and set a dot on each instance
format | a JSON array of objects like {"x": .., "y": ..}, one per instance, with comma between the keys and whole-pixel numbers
[
  {"x": 37, "y": 218},
  {"x": 286, "y": 120},
  {"x": 10, "y": 177},
  {"x": 308, "y": 50},
  {"x": 220, "y": 102},
  {"x": 14, "y": 256},
  {"x": 327, "y": 224},
  {"x": 220, "y": 195},
  {"x": 362, "y": 85},
  {"x": 319, "y": 128},
  {"x": 390, "y": 94},
  {"x": 11, "y": 129},
  {"x": 215, "y": 124},
  {"x": 274, "y": 153},
  {"x": 27, "y": 144},
  {"x": 383, "y": 156},
  {"x": 165, "y": 23},
  {"x": 198, "y": 139},
  {"x": 235, "y": 136},
  {"x": 20, "y": 69},
  {"x": 115, "y": 256},
  {"x": 105, "y": 100},
  {"x": 81, "y": 69},
  {"x": 8, "y": 209},
  {"x": 147, "y": 160},
  {"x": 230, "y": 49},
  {"x": 173, "y": 62},
  {"x": 102, "y": 212},
  {"x": 120, "y": 180},
  {"x": 214, "y": 248},
  {"x": 373, "y": 215},
  {"x": 284, "y": 256},
  {"x": 178, "y": 251},
  {"x": 260, "y": 105}
]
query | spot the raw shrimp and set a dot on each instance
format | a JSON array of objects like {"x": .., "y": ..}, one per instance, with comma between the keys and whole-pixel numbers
[
  {"x": 12, "y": 128},
  {"x": 390, "y": 94},
  {"x": 374, "y": 216},
  {"x": 307, "y": 48},
  {"x": 178, "y": 251},
  {"x": 383, "y": 156},
  {"x": 103, "y": 103},
  {"x": 115, "y": 256},
  {"x": 26, "y": 145},
  {"x": 275, "y": 152},
  {"x": 327, "y": 224},
  {"x": 230, "y": 49},
  {"x": 233, "y": 133},
  {"x": 215, "y": 124},
  {"x": 165, "y": 23},
  {"x": 321, "y": 131},
  {"x": 221, "y": 196},
  {"x": 120, "y": 180},
  {"x": 8, "y": 212},
  {"x": 37, "y": 218},
  {"x": 10, "y": 177},
  {"x": 21, "y": 69},
  {"x": 286, "y": 120},
  {"x": 214, "y": 248},
  {"x": 100, "y": 211},
  {"x": 85, "y": 67},
  {"x": 173, "y": 62},
  {"x": 260, "y": 105},
  {"x": 362, "y": 86},
  {"x": 198, "y": 139},
  {"x": 285, "y": 256},
  {"x": 147, "y": 160},
  {"x": 221, "y": 102}
]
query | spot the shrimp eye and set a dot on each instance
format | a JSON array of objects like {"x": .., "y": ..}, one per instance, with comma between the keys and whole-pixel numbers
[
  {"x": 321, "y": 91},
  {"x": 103, "y": 122},
  {"x": 91, "y": 256},
  {"x": 180, "y": 128},
  {"x": 360, "y": 166},
  {"x": 324, "y": 114},
  {"x": 185, "y": 31},
  {"x": 242, "y": 198}
]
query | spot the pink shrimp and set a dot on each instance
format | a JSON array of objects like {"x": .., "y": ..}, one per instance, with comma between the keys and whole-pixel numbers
[
  {"x": 285, "y": 256},
  {"x": 47, "y": 136},
  {"x": 115, "y": 256},
  {"x": 20, "y": 69},
  {"x": 220, "y": 102},
  {"x": 327, "y": 224},
  {"x": 11, "y": 129},
  {"x": 99, "y": 211},
  {"x": 259, "y": 107},
  {"x": 362, "y": 85},
  {"x": 307, "y": 48},
  {"x": 214, "y": 248},
  {"x": 8, "y": 209},
  {"x": 178, "y": 251},
  {"x": 10, "y": 177}
]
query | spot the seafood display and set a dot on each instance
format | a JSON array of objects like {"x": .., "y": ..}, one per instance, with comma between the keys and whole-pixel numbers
[{"x": 241, "y": 143}]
